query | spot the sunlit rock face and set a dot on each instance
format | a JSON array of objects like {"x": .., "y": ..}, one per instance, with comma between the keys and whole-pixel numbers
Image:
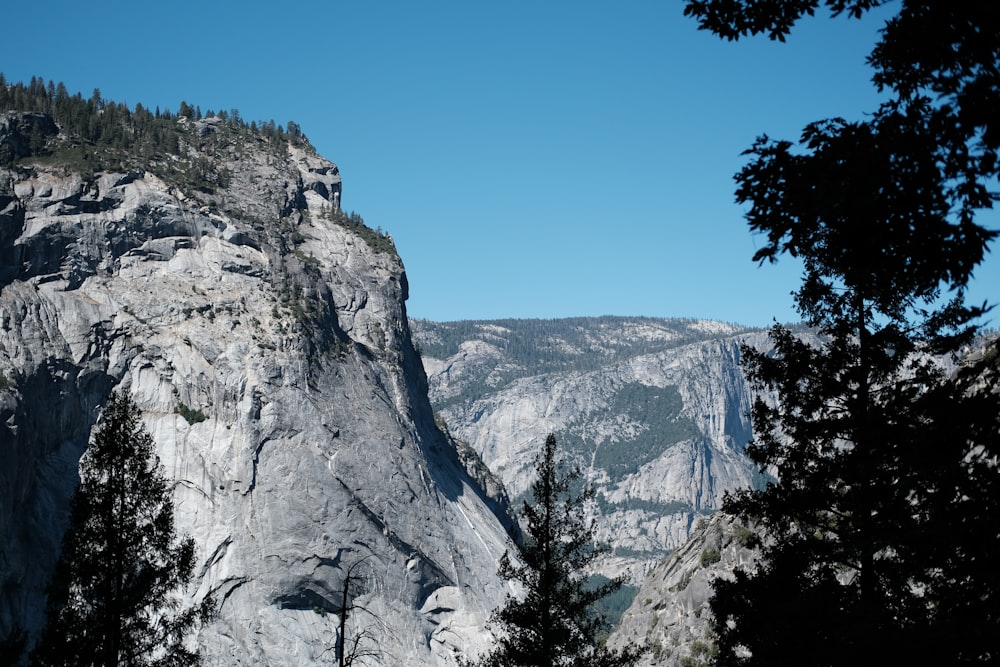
[
  {"x": 269, "y": 349},
  {"x": 670, "y": 612},
  {"x": 655, "y": 412}
]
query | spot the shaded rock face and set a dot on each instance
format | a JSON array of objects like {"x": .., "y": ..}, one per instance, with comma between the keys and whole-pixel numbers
[
  {"x": 656, "y": 412},
  {"x": 269, "y": 350}
]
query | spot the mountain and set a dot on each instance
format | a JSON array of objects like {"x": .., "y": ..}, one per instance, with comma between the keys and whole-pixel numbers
[
  {"x": 204, "y": 266},
  {"x": 655, "y": 411}
]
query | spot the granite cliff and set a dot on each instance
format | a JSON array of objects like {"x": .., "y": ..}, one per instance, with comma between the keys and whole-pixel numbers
[
  {"x": 264, "y": 335},
  {"x": 655, "y": 411},
  {"x": 670, "y": 611}
]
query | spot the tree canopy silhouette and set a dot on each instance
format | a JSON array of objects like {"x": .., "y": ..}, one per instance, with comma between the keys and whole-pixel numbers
[
  {"x": 876, "y": 537},
  {"x": 115, "y": 598},
  {"x": 553, "y": 623}
]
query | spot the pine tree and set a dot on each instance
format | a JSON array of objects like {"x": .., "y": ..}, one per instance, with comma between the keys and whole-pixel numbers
[
  {"x": 553, "y": 622},
  {"x": 878, "y": 533},
  {"x": 115, "y": 598}
]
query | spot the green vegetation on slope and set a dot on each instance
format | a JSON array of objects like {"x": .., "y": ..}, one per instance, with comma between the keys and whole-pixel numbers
[
  {"x": 565, "y": 344},
  {"x": 658, "y": 409},
  {"x": 376, "y": 239},
  {"x": 95, "y": 134}
]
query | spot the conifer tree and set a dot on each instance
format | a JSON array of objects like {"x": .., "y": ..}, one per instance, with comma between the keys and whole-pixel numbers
[
  {"x": 116, "y": 595},
  {"x": 553, "y": 623},
  {"x": 878, "y": 532}
]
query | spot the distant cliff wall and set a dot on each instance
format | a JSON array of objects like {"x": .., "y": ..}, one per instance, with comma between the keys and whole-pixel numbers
[{"x": 656, "y": 411}]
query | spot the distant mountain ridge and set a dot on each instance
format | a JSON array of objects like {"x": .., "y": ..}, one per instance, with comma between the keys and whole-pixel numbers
[{"x": 656, "y": 411}]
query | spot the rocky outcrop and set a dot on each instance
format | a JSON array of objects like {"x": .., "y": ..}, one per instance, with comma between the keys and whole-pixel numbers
[
  {"x": 655, "y": 411},
  {"x": 670, "y": 612},
  {"x": 268, "y": 347}
]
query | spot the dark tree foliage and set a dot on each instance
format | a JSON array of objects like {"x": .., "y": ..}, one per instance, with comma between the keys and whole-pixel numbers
[
  {"x": 553, "y": 622},
  {"x": 115, "y": 597},
  {"x": 879, "y": 540},
  {"x": 733, "y": 19},
  {"x": 939, "y": 57},
  {"x": 12, "y": 646}
]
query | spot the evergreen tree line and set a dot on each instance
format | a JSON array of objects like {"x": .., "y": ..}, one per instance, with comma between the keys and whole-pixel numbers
[
  {"x": 574, "y": 343},
  {"x": 116, "y": 131}
]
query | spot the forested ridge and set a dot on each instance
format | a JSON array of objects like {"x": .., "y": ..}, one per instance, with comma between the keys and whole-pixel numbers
[
  {"x": 96, "y": 134},
  {"x": 533, "y": 346}
]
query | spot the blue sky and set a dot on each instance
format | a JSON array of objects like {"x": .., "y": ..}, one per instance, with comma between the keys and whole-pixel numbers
[{"x": 530, "y": 159}]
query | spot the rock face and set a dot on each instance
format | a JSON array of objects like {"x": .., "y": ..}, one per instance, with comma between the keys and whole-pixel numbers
[
  {"x": 267, "y": 343},
  {"x": 655, "y": 411},
  {"x": 670, "y": 612}
]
